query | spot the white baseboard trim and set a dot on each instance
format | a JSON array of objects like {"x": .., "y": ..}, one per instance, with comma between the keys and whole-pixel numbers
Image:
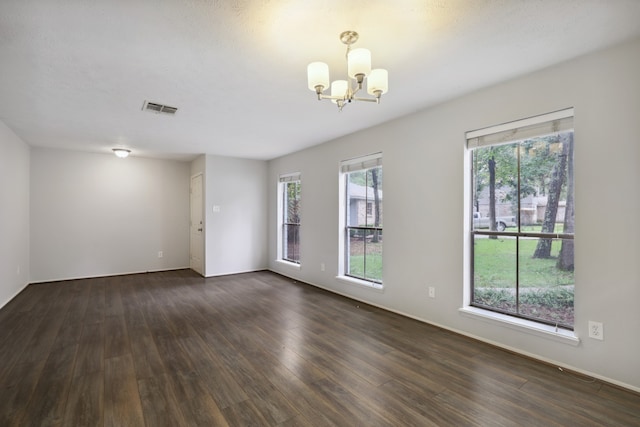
[
  {"x": 237, "y": 272},
  {"x": 97, "y": 276}
]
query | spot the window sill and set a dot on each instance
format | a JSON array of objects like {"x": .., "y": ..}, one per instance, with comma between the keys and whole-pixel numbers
[
  {"x": 564, "y": 336},
  {"x": 289, "y": 264},
  {"x": 361, "y": 283}
]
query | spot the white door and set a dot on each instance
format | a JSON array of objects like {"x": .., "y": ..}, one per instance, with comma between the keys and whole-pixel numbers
[{"x": 196, "y": 250}]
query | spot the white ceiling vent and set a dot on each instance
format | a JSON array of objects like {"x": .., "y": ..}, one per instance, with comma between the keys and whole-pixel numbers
[{"x": 158, "y": 108}]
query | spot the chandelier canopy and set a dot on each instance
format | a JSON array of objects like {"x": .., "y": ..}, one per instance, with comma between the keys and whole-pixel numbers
[{"x": 358, "y": 69}]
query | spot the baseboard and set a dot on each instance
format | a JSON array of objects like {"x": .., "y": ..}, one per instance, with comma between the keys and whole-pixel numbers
[
  {"x": 98, "y": 276},
  {"x": 237, "y": 272}
]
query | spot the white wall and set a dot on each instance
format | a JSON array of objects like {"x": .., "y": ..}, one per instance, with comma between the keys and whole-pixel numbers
[
  {"x": 423, "y": 157},
  {"x": 236, "y": 235},
  {"x": 96, "y": 214},
  {"x": 14, "y": 214}
]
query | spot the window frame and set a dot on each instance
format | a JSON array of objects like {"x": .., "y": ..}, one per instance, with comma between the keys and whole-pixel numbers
[
  {"x": 357, "y": 164},
  {"x": 508, "y": 133},
  {"x": 283, "y": 182}
]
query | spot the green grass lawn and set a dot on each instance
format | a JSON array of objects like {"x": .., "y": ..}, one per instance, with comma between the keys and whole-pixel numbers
[
  {"x": 545, "y": 292},
  {"x": 495, "y": 266},
  {"x": 559, "y": 228},
  {"x": 374, "y": 266}
]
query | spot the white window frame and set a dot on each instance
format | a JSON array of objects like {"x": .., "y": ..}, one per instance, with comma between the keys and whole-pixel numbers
[
  {"x": 283, "y": 180},
  {"x": 493, "y": 135},
  {"x": 346, "y": 166}
]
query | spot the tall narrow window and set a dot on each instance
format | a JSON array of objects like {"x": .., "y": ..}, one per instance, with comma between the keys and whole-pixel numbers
[
  {"x": 290, "y": 218},
  {"x": 362, "y": 203},
  {"x": 523, "y": 218}
]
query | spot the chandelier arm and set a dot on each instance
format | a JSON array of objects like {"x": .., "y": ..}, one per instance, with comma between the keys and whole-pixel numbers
[
  {"x": 357, "y": 89},
  {"x": 333, "y": 97},
  {"x": 376, "y": 100}
]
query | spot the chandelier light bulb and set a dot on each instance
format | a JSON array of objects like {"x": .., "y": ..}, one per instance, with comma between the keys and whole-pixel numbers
[
  {"x": 339, "y": 90},
  {"x": 359, "y": 62},
  {"x": 318, "y": 76},
  {"x": 378, "y": 81}
]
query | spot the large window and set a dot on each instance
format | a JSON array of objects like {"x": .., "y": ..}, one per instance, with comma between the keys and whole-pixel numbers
[
  {"x": 522, "y": 217},
  {"x": 290, "y": 218},
  {"x": 362, "y": 202}
]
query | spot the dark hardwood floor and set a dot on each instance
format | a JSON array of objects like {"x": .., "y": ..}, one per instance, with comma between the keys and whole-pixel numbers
[{"x": 258, "y": 349}]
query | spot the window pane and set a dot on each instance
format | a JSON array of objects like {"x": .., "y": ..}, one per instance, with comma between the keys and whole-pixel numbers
[
  {"x": 494, "y": 272},
  {"x": 292, "y": 203},
  {"x": 374, "y": 196},
  {"x": 547, "y": 282},
  {"x": 365, "y": 254},
  {"x": 373, "y": 256},
  {"x": 355, "y": 251},
  {"x": 364, "y": 198},
  {"x": 357, "y": 199},
  {"x": 291, "y": 242},
  {"x": 546, "y": 182},
  {"x": 495, "y": 188}
]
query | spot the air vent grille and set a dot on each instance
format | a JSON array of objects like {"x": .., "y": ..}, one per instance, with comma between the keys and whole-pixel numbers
[{"x": 158, "y": 108}]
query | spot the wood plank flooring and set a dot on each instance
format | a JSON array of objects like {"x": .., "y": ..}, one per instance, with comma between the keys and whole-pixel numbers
[{"x": 259, "y": 349}]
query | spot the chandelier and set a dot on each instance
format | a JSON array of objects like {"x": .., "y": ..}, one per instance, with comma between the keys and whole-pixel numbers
[{"x": 358, "y": 68}]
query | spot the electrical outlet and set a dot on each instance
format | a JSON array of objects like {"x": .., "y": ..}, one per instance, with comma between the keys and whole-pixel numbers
[
  {"x": 322, "y": 266},
  {"x": 432, "y": 292},
  {"x": 160, "y": 254},
  {"x": 596, "y": 330}
]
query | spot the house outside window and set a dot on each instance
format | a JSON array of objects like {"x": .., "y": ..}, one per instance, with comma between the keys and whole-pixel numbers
[
  {"x": 289, "y": 214},
  {"x": 522, "y": 219},
  {"x": 362, "y": 219}
]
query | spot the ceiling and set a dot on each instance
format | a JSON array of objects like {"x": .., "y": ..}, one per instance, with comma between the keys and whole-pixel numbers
[{"x": 74, "y": 74}]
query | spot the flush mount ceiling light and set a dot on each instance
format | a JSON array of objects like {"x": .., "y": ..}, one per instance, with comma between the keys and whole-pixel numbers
[
  {"x": 358, "y": 68},
  {"x": 121, "y": 152}
]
